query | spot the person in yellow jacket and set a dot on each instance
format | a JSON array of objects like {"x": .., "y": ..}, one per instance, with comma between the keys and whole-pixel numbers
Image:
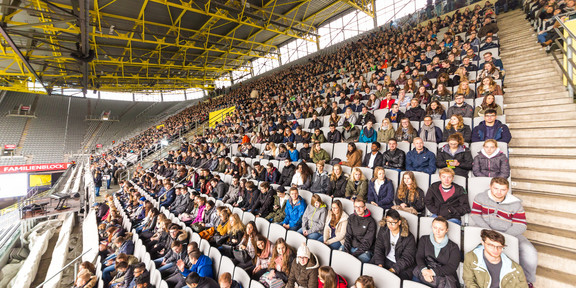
[{"x": 486, "y": 266}]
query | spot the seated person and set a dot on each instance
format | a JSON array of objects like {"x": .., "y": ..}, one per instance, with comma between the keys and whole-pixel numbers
[
  {"x": 365, "y": 281},
  {"x": 437, "y": 257},
  {"x": 395, "y": 114},
  {"x": 328, "y": 278},
  {"x": 395, "y": 246},
  {"x": 348, "y": 116},
  {"x": 373, "y": 158},
  {"x": 200, "y": 265},
  {"x": 455, "y": 155},
  {"x": 305, "y": 151},
  {"x": 278, "y": 212},
  {"x": 287, "y": 173},
  {"x": 353, "y": 156},
  {"x": 405, "y": 131},
  {"x": 393, "y": 158},
  {"x": 491, "y": 128},
  {"x": 429, "y": 132},
  {"x": 415, "y": 113},
  {"x": 488, "y": 103},
  {"x": 350, "y": 133},
  {"x": 333, "y": 136},
  {"x": 410, "y": 198},
  {"x": 265, "y": 202},
  {"x": 315, "y": 122},
  {"x": 364, "y": 117},
  {"x": 318, "y": 154},
  {"x": 456, "y": 125},
  {"x": 381, "y": 190},
  {"x": 368, "y": 134},
  {"x": 318, "y": 136},
  {"x": 360, "y": 232},
  {"x": 225, "y": 281},
  {"x": 338, "y": 182},
  {"x": 313, "y": 218},
  {"x": 510, "y": 219},
  {"x": 194, "y": 280},
  {"x": 460, "y": 107},
  {"x": 486, "y": 266},
  {"x": 446, "y": 198},
  {"x": 357, "y": 186},
  {"x": 420, "y": 158},
  {"x": 320, "y": 180},
  {"x": 272, "y": 174},
  {"x": 335, "y": 227},
  {"x": 280, "y": 265},
  {"x": 294, "y": 210},
  {"x": 491, "y": 162},
  {"x": 304, "y": 269}
]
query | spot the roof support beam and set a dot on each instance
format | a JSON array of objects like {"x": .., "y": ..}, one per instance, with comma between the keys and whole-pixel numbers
[
  {"x": 16, "y": 50},
  {"x": 84, "y": 20},
  {"x": 366, "y": 6}
]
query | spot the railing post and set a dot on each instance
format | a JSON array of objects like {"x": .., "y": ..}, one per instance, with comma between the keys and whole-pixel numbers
[{"x": 570, "y": 68}]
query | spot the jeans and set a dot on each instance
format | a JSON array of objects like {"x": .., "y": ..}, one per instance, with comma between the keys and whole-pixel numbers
[
  {"x": 106, "y": 277},
  {"x": 364, "y": 257},
  {"x": 97, "y": 190},
  {"x": 453, "y": 220},
  {"x": 542, "y": 37},
  {"x": 334, "y": 246},
  {"x": 108, "y": 183},
  {"x": 528, "y": 258},
  {"x": 314, "y": 235}
]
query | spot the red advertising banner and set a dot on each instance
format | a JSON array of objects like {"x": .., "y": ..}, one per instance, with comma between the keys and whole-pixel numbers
[
  {"x": 9, "y": 147},
  {"x": 33, "y": 168},
  {"x": 98, "y": 145}
]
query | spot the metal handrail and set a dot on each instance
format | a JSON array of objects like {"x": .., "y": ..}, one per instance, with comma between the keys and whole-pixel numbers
[
  {"x": 65, "y": 266},
  {"x": 567, "y": 50}
]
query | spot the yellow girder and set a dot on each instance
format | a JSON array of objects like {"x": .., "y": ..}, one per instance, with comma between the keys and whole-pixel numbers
[{"x": 366, "y": 6}]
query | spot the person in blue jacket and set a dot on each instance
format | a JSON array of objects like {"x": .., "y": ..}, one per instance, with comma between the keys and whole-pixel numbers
[
  {"x": 169, "y": 196},
  {"x": 368, "y": 134},
  {"x": 420, "y": 158},
  {"x": 381, "y": 190},
  {"x": 294, "y": 154},
  {"x": 294, "y": 210},
  {"x": 491, "y": 128},
  {"x": 201, "y": 264}
]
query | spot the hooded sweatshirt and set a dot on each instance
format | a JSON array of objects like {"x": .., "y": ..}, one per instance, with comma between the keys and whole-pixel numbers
[
  {"x": 494, "y": 165},
  {"x": 360, "y": 233},
  {"x": 314, "y": 218}
]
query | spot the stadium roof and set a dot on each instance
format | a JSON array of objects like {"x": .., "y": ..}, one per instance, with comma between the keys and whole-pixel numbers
[{"x": 135, "y": 45}]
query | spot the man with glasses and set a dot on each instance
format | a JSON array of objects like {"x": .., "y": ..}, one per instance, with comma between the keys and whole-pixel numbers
[
  {"x": 495, "y": 209},
  {"x": 360, "y": 232},
  {"x": 487, "y": 267},
  {"x": 491, "y": 128}
]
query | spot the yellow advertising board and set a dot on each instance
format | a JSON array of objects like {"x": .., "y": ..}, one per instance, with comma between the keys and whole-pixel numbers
[
  {"x": 219, "y": 115},
  {"x": 40, "y": 180}
]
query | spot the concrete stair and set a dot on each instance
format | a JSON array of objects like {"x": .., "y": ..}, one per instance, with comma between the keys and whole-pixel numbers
[{"x": 542, "y": 119}]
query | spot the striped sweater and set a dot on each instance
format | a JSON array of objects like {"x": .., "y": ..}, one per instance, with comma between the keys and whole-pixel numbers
[{"x": 507, "y": 216}]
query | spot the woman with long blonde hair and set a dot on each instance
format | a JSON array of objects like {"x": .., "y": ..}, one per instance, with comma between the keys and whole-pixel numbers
[
  {"x": 456, "y": 125},
  {"x": 409, "y": 197}
]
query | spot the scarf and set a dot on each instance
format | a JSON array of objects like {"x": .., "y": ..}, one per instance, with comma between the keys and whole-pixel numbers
[
  {"x": 368, "y": 132},
  {"x": 428, "y": 133},
  {"x": 266, "y": 252},
  {"x": 496, "y": 152},
  {"x": 438, "y": 246}
]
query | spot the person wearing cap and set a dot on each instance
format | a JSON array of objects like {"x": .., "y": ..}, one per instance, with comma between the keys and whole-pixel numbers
[
  {"x": 304, "y": 270},
  {"x": 278, "y": 212}
]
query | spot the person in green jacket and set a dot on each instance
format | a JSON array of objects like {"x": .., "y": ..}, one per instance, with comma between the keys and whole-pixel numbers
[
  {"x": 318, "y": 136},
  {"x": 318, "y": 154},
  {"x": 357, "y": 186},
  {"x": 280, "y": 200},
  {"x": 486, "y": 264}
]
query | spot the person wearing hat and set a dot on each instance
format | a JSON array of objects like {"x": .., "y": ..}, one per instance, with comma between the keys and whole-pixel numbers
[
  {"x": 304, "y": 270},
  {"x": 278, "y": 209}
]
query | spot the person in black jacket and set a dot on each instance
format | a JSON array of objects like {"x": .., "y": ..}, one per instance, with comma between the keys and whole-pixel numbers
[
  {"x": 265, "y": 202},
  {"x": 337, "y": 183},
  {"x": 98, "y": 182},
  {"x": 305, "y": 151},
  {"x": 393, "y": 158},
  {"x": 360, "y": 232},
  {"x": 333, "y": 136},
  {"x": 364, "y": 117},
  {"x": 415, "y": 113},
  {"x": 455, "y": 155},
  {"x": 219, "y": 188},
  {"x": 395, "y": 234},
  {"x": 272, "y": 174},
  {"x": 315, "y": 122},
  {"x": 251, "y": 195},
  {"x": 437, "y": 257},
  {"x": 456, "y": 203},
  {"x": 195, "y": 281},
  {"x": 374, "y": 158},
  {"x": 287, "y": 173},
  {"x": 258, "y": 173},
  {"x": 250, "y": 151}
]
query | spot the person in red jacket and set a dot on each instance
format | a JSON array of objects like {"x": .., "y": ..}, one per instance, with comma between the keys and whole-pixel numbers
[{"x": 327, "y": 278}]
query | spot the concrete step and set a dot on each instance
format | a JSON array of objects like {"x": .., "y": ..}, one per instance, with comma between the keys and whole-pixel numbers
[
  {"x": 539, "y": 150},
  {"x": 532, "y": 86},
  {"x": 543, "y": 186},
  {"x": 554, "y": 258},
  {"x": 541, "y": 124},
  {"x": 546, "y": 277},
  {"x": 566, "y": 176},
  {"x": 525, "y": 64},
  {"x": 512, "y": 76},
  {"x": 540, "y": 203},
  {"x": 554, "y": 108},
  {"x": 518, "y": 97},
  {"x": 523, "y": 36},
  {"x": 540, "y": 117},
  {"x": 562, "y": 100},
  {"x": 521, "y": 51},
  {"x": 551, "y": 235},
  {"x": 554, "y": 134},
  {"x": 561, "y": 163}
]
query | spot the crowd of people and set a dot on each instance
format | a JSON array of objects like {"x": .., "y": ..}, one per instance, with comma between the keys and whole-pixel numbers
[{"x": 432, "y": 69}]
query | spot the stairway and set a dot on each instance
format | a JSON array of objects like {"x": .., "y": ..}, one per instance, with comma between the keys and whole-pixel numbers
[{"x": 542, "y": 118}]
